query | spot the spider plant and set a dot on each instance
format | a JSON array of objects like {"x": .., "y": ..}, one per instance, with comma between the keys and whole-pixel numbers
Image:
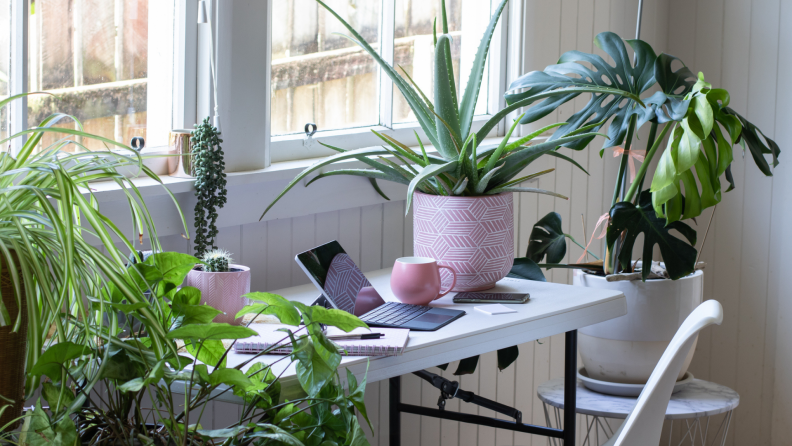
[
  {"x": 461, "y": 166},
  {"x": 57, "y": 243}
]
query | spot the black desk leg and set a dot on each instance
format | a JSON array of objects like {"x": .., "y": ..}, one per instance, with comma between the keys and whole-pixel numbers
[
  {"x": 570, "y": 387},
  {"x": 394, "y": 413}
]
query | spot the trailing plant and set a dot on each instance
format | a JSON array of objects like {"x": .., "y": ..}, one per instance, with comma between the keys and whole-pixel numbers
[
  {"x": 48, "y": 214},
  {"x": 133, "y": 371},
  {"x": 702, "y": 131},
  {"x": 462, "y": 167},
  {"x": 210, "y": 183},
  {"x": 216, "y": 261}
]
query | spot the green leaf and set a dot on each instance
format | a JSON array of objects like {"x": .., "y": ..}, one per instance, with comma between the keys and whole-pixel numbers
[
  {"x": 467, "y": 366},
  {"x": 547, "y": 239},
  {"x": 287, "y": 314},
  {"x": 223, "y": 433},
  {"x": 753, "y": 138},
  {"x": 507, "y": 356},
  {"x": 679, "y": 256},
  {"x": 56, "y": 400},
  {"x": 314, "y": 370},
  {"x": 230, "y": 377},
  {"x": 57, "y": 356},
  {"x": 337, "y": 318},
  {"x": 426, "y": 173},
  {"x": 525, "y": 268},
  {"x": 357, "y": 393},
  {"x": 187, "y": 296},
  {"x": 153, "y": 377},
  {"x": 211, "y": 351},
  {"x": 213, "y": 331},
  {"x": 625, "y": 80},
  {"x": 283, "y": 314},
  {"x": 277, "y": 435}
]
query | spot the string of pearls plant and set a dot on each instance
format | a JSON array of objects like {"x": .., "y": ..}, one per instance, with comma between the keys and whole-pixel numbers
[{"x": 210, "y": 184}]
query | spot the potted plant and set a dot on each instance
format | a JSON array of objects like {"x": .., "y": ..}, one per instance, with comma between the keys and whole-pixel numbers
[
  {"x": 220, "y": 286},
  {"x": 47, "y": 214},
  {"x": 463, "y": 211},
  {"x": 222, "y": 283},
  {"x": 132, "y": 367},
  {"x": 702, "y": 130}
]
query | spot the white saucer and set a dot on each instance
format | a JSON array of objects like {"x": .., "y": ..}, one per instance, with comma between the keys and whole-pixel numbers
[{"x": 620, "y": 389}]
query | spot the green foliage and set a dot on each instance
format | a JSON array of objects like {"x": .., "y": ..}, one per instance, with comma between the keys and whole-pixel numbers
[
  {"x": 216, "y": 261},
  {"x": 210, "y": 183},
  {"x": 130, "y": 367},
  {"x": 527, "y": 269},
  {"x": 462, "y": 167},
  {"x": 696, "y": 116},
  {"x": 547, "y": 239}
]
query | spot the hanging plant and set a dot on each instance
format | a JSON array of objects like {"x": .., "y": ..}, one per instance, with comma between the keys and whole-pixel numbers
[{"x": 210, "y": 183}]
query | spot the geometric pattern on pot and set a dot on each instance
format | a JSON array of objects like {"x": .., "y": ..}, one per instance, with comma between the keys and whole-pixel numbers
[
  {"x": 472, "y": 235},
  {"x": 222, "y": 291},
  {"x": 344, "y": 282}
]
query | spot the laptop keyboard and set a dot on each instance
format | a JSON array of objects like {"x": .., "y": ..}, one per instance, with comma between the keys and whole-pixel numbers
[{"x": 393, "y": 313}]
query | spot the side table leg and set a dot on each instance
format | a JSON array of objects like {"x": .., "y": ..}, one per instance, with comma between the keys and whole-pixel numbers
[
  {"x": 570, "y": 387},
  {"x": 394, "y": 398}
]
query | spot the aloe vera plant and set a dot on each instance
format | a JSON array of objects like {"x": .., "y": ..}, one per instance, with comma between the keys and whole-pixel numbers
[{"x": 461, "y": 167}]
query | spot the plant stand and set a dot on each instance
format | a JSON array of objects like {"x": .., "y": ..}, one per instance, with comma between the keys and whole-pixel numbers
[{"x": 694, "y": 407}]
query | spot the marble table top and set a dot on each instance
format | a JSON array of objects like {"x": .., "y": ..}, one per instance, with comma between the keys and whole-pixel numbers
[{"x": 698, "y": 399}]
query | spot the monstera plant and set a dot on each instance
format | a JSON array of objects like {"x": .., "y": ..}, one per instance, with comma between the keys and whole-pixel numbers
[{"x": 702, "y": 131}]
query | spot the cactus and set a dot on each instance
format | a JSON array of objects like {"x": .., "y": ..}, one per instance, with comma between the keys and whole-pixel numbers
[{"x": 217, "y": 261}]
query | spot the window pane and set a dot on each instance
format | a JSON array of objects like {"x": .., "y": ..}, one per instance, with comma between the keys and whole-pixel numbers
[
  {"x": 92, "y": 54},
  {"x": 5, "y": 48},
  {"x": 318, "y": 76},
  {"x": 414, "y": 46}
]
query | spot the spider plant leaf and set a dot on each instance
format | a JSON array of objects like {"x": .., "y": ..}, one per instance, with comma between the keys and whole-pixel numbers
[
  {"x": 501, "y": 190},
  {"x": 446, "y": 112},
  {"x": 351, "y": 154},
  {"x": 426, "y": 173},
  {"x": 418, "y": 107},
  {"x": 368, "y": 173},
  {"x": 632, "y": 78},
  {"x": 566, "y": 158},
  {"x": 467, "y": 107},
  {"x": 496, "y": 155}
]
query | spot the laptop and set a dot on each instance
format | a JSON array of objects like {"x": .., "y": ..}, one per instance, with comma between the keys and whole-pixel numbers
[{"x": 339, "y": 279}]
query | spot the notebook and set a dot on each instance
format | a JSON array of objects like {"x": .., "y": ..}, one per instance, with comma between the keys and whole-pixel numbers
[{"x": 391, "y": 344}]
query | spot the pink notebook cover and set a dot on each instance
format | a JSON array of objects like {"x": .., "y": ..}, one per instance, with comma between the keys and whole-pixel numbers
[{"x": 391, "y": 344}]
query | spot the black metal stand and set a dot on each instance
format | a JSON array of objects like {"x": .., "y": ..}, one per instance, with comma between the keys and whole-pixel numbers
[{"x": 450, "y": 389}]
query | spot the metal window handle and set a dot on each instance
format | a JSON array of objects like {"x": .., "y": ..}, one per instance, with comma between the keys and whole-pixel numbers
[
  {"x": 138, "y": 143},
  {"x": 308, "y": 132}
]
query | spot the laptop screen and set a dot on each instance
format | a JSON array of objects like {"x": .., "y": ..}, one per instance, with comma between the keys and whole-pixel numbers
[{"x": 335, "y": 273}]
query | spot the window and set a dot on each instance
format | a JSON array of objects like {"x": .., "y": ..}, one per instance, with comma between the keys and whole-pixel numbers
[
  {"x": 94, "y": 57},
  {"x": 322, "y": 78},
  {"x": 5, "y": 59}
]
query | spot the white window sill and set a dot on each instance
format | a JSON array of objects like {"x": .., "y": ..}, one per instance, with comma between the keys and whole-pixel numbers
[{"x": 107, "y": 191}]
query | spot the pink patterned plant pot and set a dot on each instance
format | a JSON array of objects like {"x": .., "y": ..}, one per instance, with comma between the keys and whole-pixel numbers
[
  {"x": 472, "y": 235},
  {"x": 222, "y": 291}
]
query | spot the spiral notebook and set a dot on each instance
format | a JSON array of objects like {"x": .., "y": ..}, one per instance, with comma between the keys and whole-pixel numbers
[{"x": 391, "y": 344}]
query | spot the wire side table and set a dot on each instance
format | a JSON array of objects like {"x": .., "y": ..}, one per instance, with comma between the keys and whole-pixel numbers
[{"x": 694, "y": 406}]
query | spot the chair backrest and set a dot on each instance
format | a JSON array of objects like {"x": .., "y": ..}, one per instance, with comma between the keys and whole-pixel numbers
[{"x": 644, "y": 425}]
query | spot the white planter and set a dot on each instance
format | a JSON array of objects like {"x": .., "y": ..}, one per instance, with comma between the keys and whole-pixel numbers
[
  {"x": 222, "y": 291},
  {"x": 626, "y": 349}
]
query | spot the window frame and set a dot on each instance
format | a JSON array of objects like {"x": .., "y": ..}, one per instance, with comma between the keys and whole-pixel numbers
[{"x": 296, "y": 146}]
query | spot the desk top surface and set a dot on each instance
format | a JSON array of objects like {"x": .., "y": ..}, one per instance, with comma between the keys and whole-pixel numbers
[{"x": 552, "y": 309}]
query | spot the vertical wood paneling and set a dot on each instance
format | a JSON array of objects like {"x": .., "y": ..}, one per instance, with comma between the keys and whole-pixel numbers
[{"x": 302, "y": 239}]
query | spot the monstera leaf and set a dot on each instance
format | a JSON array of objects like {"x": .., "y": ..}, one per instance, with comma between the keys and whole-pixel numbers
[
  {"x": 547, "y": 239},
  {"x": 620, "y": 85},
  {"x": 679, "y": 256}
]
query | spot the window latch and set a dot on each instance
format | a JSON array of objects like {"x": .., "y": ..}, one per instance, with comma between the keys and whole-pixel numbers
[{"x": 310, "y": 129}]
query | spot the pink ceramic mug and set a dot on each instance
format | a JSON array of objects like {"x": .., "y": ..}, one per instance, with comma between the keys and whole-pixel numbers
[{"x": 416, "y": 280}]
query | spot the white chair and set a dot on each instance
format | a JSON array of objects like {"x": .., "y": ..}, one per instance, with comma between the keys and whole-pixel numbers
[{"x": 645, "y": 423}]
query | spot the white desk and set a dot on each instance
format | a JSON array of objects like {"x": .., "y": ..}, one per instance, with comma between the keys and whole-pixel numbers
[{"x": 552, "y": 309}]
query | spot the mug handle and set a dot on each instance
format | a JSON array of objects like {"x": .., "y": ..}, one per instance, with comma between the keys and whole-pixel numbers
[{"x": 453, "y": 282}]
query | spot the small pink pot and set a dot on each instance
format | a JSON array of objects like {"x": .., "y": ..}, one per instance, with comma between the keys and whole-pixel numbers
[
  {"x": 222, "y": 291},
  {"x": 472, "y": 235}
]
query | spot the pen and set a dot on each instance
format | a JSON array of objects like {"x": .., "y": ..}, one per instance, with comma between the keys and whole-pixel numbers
[{"x": 355, "y": 336}]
